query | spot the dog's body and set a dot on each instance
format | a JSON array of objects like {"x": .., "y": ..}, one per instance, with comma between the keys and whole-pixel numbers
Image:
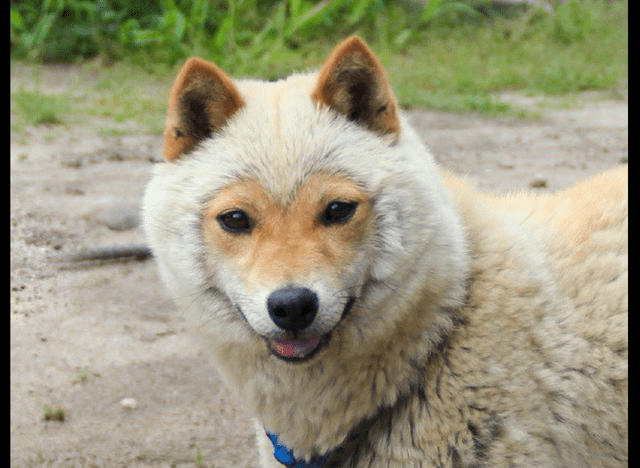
[{"x": 372, "y": 310}]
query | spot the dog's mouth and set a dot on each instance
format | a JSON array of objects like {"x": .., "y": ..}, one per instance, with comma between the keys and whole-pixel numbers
[
  {"x": 298, "y": 348},
  {"x": 303, "y": 347}
]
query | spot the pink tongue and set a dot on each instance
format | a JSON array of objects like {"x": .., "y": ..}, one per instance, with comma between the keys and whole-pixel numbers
[{"x": 295, "y": 348}]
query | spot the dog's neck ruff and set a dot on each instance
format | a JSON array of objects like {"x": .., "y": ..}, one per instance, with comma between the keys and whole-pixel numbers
[{"x": 286, "y": 457}]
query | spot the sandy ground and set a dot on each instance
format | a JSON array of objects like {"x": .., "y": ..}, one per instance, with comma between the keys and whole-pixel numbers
[{"x": 85, "y": 338}]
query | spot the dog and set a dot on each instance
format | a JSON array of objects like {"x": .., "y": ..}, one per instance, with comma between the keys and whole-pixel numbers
[{"x": 373, "y": 310}]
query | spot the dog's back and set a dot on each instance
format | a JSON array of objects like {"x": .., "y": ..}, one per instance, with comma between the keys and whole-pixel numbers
[{"x": 538, "y": 365}]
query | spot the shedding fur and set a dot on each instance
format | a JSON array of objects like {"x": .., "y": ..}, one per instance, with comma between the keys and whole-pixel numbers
[{"x": 452, "y": 329}]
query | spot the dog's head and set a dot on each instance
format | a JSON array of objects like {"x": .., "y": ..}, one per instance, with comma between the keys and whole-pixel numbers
[{"x": 288, "y": 209}]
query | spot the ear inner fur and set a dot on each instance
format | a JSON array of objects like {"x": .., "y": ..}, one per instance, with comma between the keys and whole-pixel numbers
[
  {"x": 353, "y": 82},
  {"x": 201, "y": 101}
]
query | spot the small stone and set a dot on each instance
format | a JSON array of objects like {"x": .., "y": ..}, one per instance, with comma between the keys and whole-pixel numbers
[
  {"x": 129, "y": 403},
  {"x": 538, "y": 183},
  {"x": 117, "y": 214}
]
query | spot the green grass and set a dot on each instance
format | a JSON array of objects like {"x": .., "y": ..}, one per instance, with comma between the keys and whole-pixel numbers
[
  {"x": 39, "y": 109},
  {"x": 198, "y": 459},
  {"x": 456, "y": 56},
  {"x": 121, "y": 99},
  {"x": 50, "y": 414},
  {"x": 462, "y": 67}
]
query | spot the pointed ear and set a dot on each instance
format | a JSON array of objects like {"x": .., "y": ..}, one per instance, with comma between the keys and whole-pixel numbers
[
  {"x": 201, "y": 101},
  {"x": 353, "y": 82}
]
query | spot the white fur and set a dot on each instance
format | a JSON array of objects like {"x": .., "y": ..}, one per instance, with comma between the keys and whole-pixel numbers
[{"x": 410, "y": 274}]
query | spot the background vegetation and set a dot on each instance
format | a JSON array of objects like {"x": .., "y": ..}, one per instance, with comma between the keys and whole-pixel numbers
[{"x": 454, "y": 55}]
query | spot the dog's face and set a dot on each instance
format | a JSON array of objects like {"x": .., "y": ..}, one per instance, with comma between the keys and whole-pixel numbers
[
  {"x": 282, "y": 207},
  {"x": 292, "y": 270}
]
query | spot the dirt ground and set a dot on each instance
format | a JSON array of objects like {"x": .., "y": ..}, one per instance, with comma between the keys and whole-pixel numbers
[{"x": 85, "y": 339}]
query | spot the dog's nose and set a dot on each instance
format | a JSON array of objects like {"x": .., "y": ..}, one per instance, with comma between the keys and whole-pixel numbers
[{"x": 292, "y": 309}]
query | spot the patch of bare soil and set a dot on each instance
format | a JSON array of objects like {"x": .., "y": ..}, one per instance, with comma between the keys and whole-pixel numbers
[{"x": 104, "y": 344}]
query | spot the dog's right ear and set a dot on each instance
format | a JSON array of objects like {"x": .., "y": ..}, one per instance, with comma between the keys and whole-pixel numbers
[{"x": 201, "y": 101}]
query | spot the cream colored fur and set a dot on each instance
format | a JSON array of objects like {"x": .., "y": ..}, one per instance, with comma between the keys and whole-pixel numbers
[{"x": 486, "y": 331}]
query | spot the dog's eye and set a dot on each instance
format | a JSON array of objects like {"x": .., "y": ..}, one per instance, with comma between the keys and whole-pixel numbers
[
  {"x": 236, "y": 221},
  {"x": 338, "y": 212}
]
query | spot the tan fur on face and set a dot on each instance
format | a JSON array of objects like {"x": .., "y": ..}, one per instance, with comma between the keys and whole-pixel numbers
[{"x": 286, "y": 243}]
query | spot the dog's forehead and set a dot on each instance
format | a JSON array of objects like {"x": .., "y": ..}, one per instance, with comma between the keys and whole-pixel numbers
[
  {"x": 282, "y": 138},
  {"x": 318, "y": 189}
]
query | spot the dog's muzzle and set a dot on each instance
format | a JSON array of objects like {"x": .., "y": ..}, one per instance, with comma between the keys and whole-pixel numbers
[{"x": 293, "y": 310}]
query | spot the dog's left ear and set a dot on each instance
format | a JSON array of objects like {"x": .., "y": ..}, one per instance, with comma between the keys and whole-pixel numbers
[{"x": 353, "y": 83}]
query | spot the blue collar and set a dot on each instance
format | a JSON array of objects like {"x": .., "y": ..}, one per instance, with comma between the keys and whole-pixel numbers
[
  {"x": 286, "y": 457},
  {"x": 337, "y": 456}
]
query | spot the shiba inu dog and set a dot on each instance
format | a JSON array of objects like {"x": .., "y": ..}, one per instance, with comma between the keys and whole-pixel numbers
[{"x": 372, "y": 310}]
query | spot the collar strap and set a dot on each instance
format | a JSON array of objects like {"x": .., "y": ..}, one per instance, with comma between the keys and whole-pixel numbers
[
  {"x": 286, "y": 457},
  {"x": 333, "y": 458}
]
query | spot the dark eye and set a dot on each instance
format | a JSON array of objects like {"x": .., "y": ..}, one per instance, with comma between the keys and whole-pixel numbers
[
  {"x": 236, "y": 221},
  {"x": 338, "y": 212}
]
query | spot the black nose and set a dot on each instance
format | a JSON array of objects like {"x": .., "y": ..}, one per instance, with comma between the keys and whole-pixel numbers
[{"x": 292, "y": 309}]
